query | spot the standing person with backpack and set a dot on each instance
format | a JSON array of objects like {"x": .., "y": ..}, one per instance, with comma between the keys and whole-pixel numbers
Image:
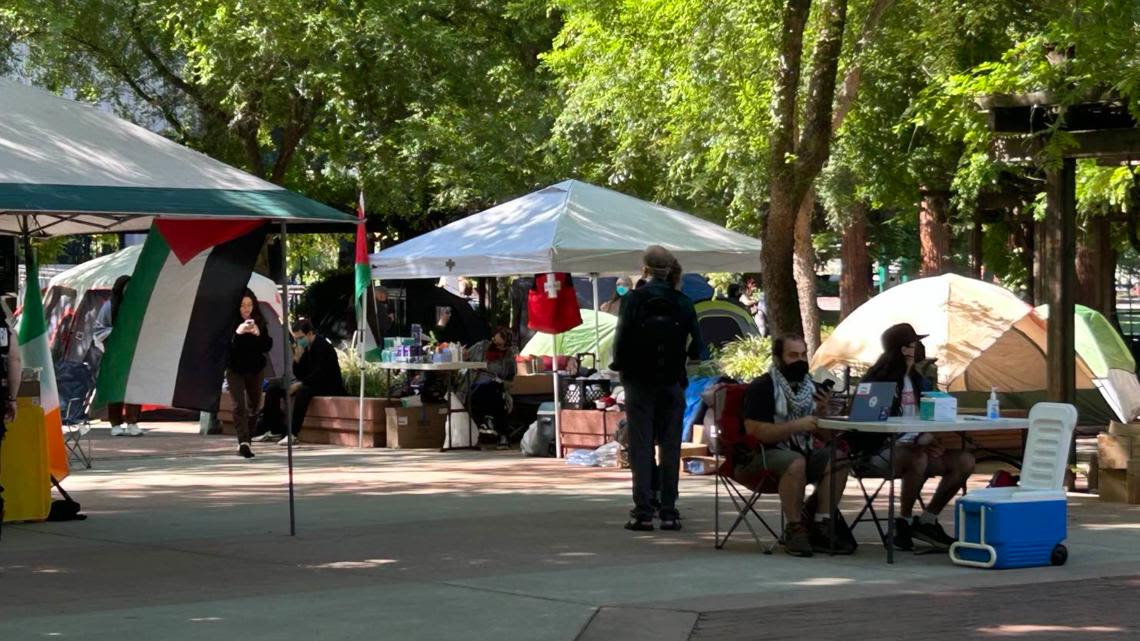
[{"x": 657, "y": 332}]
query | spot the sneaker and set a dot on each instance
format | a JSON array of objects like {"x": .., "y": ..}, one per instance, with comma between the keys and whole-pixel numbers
[
  {"x": 933, "y": 534},
  {"x": 245, "y": 450},
  {"x": 268, "y": 437},
  {"x": 284, "y": 442},
  {"x": 638, "y": 525},
  {"x": 504, "y": 443},
  {"x": 797, "y": 540},
  {"x": 904, "y": 541},
  {"x": 118, "y": 430},
  {"x": 820, "y": 536},
  {"x": 134, "y": 430}
]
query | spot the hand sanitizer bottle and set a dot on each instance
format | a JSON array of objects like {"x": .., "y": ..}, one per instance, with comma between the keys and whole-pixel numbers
[{"x": 993, "y": 409}]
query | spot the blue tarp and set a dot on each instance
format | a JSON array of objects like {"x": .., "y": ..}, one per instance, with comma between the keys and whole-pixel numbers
[{"x": 697, "y": 386}]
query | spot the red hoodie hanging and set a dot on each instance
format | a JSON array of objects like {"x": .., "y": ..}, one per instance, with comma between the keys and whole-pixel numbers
[{"x": 552, "y": 305}]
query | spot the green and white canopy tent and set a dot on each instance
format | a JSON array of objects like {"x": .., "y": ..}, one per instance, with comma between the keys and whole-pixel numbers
[{"x": 70, "y": 168}]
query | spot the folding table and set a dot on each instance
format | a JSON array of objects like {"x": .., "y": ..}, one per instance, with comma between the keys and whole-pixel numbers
[{"x": 894, "y": 427}]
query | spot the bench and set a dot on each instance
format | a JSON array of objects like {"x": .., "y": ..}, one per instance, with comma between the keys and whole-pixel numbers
[{"x": 331, "y": 420}]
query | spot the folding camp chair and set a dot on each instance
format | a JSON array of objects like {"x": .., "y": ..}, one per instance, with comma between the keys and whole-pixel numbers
[
  {"x": 76, "y": 389},
  {"x": 727, "y": 432},
  {"x": 76, "y": 428}
]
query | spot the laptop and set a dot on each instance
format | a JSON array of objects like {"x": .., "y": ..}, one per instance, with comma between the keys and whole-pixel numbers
[{"x": 872, "y": 402}]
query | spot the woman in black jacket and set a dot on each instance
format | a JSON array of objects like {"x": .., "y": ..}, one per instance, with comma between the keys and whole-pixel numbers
[
  {"x": 244, "y": 367},
  {"x": 918, "y": 455}
]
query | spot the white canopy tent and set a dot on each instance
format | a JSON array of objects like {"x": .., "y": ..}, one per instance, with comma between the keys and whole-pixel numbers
[{"x": 571, "y": 227}]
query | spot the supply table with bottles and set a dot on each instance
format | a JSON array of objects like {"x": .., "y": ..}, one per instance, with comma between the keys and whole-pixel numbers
[
  {"x": 449, "y": 366},
  {"x": 895, "y": 427}
]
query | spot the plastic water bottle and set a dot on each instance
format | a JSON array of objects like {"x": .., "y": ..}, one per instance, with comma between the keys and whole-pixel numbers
[
  {"x": 584, "y": 458},
  {"x": 993, "y": 408}
]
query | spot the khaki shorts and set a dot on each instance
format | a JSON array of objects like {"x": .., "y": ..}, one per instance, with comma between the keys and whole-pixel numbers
[{"x": 777, "y": 461}]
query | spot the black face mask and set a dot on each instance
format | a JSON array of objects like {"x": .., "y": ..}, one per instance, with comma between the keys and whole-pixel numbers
[{"x": 794, "y": 372}]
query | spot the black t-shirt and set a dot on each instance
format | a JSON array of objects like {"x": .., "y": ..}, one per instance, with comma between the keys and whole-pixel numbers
[
  {"x": 760, "y": 405},
  {"x": 760, "y": 400}
]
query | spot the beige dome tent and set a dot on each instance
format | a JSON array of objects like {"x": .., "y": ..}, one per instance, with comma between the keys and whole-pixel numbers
[{"x": 982, "y": 335}]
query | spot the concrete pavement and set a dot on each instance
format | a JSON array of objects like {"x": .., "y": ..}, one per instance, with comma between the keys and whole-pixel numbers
[{"x": 427, "y": 545}]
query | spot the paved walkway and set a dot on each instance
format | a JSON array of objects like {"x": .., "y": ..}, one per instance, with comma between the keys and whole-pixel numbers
[{"x": 469, "y": 545}]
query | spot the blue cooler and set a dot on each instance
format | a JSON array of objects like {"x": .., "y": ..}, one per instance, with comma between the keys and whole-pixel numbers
[{"x": 1010, "y": 527}]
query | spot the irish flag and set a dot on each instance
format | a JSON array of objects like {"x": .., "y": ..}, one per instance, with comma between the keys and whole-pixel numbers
[
  {"x": 35, "y": 352},
  {"x": 365, "y": 302},
  {"x": 174, "y": 327}
]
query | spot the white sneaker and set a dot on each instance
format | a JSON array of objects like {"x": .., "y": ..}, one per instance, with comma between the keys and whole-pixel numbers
[
  {"x": 284, "y": 442},
  {"x": 134, "y": 430},
  {"x": 267, "y": 437},
  {"x": 117, "y": 430}
]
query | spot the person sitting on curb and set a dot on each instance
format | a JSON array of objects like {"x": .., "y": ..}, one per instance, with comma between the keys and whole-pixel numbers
[{"x": 780, "y": 411}]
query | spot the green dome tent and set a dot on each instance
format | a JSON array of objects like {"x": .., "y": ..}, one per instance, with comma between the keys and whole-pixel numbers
[
  {"x": 724, "y": 321},
  {"x": 1107, "y": 355},
  {"x": 579, "y": 340}
]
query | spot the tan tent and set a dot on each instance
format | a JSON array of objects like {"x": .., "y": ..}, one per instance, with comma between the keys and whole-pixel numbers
[{"x": 982, "y": 335}]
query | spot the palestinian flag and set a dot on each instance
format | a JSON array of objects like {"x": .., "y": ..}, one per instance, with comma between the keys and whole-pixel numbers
[
  {"x": 35, "y": 353},
  {"x": 370, "y": 341},
  {"x": 173, "y": 330}
]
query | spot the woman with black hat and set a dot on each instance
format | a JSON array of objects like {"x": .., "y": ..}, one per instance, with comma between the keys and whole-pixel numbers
[{"x": 918, "y": 455}]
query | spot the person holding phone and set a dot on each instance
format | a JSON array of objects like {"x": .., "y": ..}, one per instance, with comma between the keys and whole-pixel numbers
[
  {"x": 245, "y": 368},
  {"x": 781, "y": 410}
]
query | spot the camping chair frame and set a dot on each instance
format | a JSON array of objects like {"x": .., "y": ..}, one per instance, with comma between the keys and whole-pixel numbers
[
  {"x": 74, "y": 430},
  {"x": 743, "y": 499}
]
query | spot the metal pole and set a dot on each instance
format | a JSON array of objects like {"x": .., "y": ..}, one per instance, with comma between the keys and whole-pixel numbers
[
  {"x": 597, "y": 331},
  {"x": 557, "y": 404},
  {"x": 361, "y": 329},
  {"x": 287, "y": 375}
]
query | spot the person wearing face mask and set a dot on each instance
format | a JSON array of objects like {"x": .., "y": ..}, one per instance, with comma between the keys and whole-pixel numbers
[
  {"x": 249, "y": 344},
  {"x": 613, "y": 305},
  {"x": 316, "y": 371},
  {"x": 918, "y": 456},
  {"x": 780, "y": 412}
]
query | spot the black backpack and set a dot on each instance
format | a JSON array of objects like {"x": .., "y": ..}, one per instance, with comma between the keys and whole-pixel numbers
[{"x": 658, "y": 340}]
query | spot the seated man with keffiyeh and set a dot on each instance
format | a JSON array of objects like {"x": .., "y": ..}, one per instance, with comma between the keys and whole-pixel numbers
[{"x": 780, "y": 410}]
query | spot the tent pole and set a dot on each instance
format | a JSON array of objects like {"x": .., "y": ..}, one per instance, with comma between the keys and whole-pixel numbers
[
  {"x": 597, "y": 331},
  {"x": 287, "y": 374},
  {"x": 361, "y": 329},
  {"x": 557, "y": 404}
]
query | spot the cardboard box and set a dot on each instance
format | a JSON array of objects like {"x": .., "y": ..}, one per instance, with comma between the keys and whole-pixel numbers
[
  {"x": 1131, "y": 430},
  {"x": 416, "y": 427},
  {"x": 1114, "y": 452},
  {"x": 1120, "y": 486},
  {"x": 532, "y": 384}
]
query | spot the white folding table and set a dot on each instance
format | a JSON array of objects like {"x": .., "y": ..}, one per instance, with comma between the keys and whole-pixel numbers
[
  {"x": 449, "y": 366},
  {"x": 894, "y": 427}
]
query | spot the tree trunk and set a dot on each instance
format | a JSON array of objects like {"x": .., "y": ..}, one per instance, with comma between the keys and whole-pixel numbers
[
  {"x": 976, "y": 238},
  {"x": 1022, "y": 239},
  {"x": 1096, "y": 268},
  {"x": 854, "y": 286},
  {"x": 934, "y": 234},
  {"x": 777, "y": 273},
  {"x": 804, "y": 272}
]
